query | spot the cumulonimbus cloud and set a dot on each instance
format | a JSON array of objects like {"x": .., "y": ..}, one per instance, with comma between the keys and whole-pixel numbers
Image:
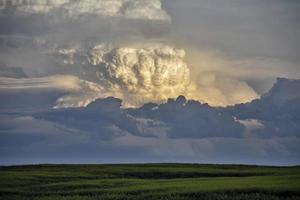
[
  {"x": 135, "y": 74},
  {"x": 152, "y": 73},
  {"x": 138, "y": 74}
]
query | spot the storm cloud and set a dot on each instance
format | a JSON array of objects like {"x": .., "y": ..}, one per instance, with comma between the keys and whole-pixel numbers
[{"x": 149, "y": 81}]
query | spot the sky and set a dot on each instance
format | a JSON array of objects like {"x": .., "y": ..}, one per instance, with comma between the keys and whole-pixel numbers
[{"x": 130, "y": 81}]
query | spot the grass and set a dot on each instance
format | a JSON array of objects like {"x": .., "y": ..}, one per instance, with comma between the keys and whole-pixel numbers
[{"x": 149, "y": 181}]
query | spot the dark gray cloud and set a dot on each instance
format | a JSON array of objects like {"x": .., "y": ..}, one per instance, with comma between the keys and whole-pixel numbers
[
  {"x": 191, "y": 119},
  {"x": 29, "y": 141},
  {"x": 278, "y": 110},
  {"x": 28, "y": 100},
  {"x": 12, "y": 72},
  {"x": 175, "y": 119},
  {"x": 265, "y": 131},
  {"x": 26, "y": 140}
]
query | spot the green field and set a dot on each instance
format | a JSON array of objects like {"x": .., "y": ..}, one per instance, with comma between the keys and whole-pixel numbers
[{"x": 149, "y": 181}]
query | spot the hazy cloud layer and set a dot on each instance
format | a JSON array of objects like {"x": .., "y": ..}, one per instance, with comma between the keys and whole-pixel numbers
[
  {"x": 69, "y": 9},
  {"x": 253, "y": 41}
]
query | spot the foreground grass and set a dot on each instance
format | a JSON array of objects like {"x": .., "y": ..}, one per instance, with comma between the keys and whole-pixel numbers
[{"x": 147, "y": 182}]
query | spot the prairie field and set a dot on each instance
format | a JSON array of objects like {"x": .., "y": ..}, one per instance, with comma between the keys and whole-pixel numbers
[{"x": 149, "y": 182}]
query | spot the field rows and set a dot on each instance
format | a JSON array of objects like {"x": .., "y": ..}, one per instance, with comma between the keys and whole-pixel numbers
[{"x": 157, "y": 181}]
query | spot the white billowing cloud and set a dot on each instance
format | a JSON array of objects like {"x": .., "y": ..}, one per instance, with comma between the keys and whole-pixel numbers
[
  {"x": 136, "y": 74},
  {"x": 70, "y": 9}
]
